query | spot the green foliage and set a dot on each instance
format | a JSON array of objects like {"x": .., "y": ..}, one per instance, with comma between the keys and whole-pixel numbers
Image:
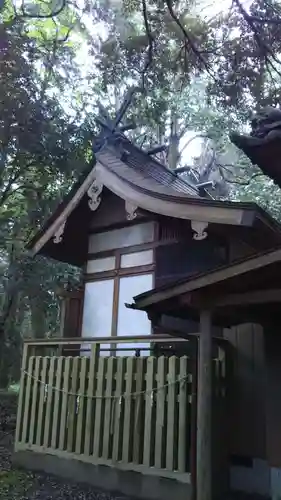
[
  {"x": 42, "y": 150},
  {"x": 14, "y": 483},
  {"x": 248, "y": 73}
]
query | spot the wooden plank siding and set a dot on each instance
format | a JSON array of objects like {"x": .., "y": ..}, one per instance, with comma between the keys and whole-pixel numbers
[
  {"x": 273, "y": 394},
  {"x": 71, "y": 318},
  {"x": 247, "y": 436}
]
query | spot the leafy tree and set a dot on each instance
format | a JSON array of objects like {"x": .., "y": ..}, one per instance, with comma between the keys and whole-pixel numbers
[{"x": 42, "y": 150}]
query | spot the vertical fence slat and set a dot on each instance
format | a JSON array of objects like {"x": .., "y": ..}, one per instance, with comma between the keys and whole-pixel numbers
[
  {"x": 137, "y": 412},
  {"x": 27, "y": 400},
  {"x": 149, "y": 402},
  {"x": 35, "y": 394},
  {"x": 108, "y": 422},
  {"x": 48, "y": 402},
  {"x": 160, "y": 411},
  {"x": 98, "y": 410},
  {"x": 72, "y": 401},
  {"x": 21, "y": 395},
  {"x": 42, "y": 397},
  {"x": 57, "y": 401},
  {"x": 170, "y": 445},
  {"x": 80, "y": 409},
  {"x": 223, "y": 370},
  {"x": 118, "y": 405},
  {"x": 127, "y": 431},
  {"x": 90, "y": 402},
  {"x": 99, "y": 404},
  {"x": 193, "y": 421},
  {"x": 64, "y": 404},
  {"x": 109, "y": 403},
  {"x": 183, "y": 423}
]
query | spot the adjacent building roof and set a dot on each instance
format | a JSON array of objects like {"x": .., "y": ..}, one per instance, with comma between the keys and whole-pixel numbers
[
  {"x": 265, "y": 155},
  {"x": 247, "y": 290}
]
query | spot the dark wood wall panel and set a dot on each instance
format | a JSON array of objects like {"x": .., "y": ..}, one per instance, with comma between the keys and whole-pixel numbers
[
  {"x": 184, "y": 258},
  {"x": 71, "y": 320},
  {"x": 111, "y": 212},
  {"x": 73, "y": 316},
  {"x": 247, "y": 402},
  {"x": 239, "y": 249},
  {"x": 273, "y": 395}
]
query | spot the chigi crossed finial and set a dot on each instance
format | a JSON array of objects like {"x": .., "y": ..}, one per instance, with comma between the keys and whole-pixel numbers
[{"x": 110, "y": 127}]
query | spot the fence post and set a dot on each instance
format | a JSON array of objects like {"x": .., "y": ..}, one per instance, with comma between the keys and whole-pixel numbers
[
  {"x": 21, "y": 393},
  {"x": 204, "y": 398},
  {"x": 193, "y": 417},
  {"x": 90, "y": 393}
]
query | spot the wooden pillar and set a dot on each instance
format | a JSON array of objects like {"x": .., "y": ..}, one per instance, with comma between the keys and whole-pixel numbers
[
  {"x": 204, "y": 410},
  {"x": 63, "y": 309}
]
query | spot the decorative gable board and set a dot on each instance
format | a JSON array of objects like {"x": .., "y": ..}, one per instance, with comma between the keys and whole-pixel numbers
[{"x": 111, "y": 211}]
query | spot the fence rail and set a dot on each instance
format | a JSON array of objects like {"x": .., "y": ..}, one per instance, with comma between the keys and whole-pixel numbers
[{"x": 135, "y": 413}]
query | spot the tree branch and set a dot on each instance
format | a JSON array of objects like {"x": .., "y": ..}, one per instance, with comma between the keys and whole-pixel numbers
[
  {"x": 8, "y": 191},
  {"x": 187, "y": 37},
  {"x": 262, "y": 44},
  {"x": 150, "y": 39},
  {"x": 264, "y": 20},
  {"x": 240, "y": 182}
]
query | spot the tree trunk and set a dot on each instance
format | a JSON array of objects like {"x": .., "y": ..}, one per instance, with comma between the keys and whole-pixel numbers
[
  {"x": 174, "y": 155},
  {"x": 38, "y": 318},
  {"x": 8, "y": 334}
]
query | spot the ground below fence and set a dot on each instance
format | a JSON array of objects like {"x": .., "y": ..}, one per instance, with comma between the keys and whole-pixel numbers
[{"x": 22, "y": 485}]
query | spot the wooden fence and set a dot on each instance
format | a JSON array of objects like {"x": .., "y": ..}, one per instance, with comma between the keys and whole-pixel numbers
[{"x": 129, "y": 412}]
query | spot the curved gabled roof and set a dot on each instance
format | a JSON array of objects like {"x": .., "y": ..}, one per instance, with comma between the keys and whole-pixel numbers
[
  {"x": 144, "y": 183},
  {"x": 139, "y": 161}
]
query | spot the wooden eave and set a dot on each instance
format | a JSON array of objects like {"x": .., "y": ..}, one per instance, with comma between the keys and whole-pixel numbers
[
  {"x": 247, "y": 290},
  {"x": 141, "y": 190},
  {"x": 148, "y": 194}
]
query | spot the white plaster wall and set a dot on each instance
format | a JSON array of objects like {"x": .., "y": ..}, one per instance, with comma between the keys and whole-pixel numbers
[
  {"x": 97, "y": 311},
  {"x": 130, "y": 321},
  {"x": 121, "y": 238}
]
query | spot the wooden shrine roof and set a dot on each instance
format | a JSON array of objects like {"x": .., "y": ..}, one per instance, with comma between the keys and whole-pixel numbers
[
  {"x": 142, "y": 181},
  {"x": 147, "y": 166}
]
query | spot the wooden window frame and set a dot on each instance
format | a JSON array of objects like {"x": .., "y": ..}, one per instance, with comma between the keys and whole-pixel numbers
[
  {"x": 130, "y": 224},
  {"x": 119, "y": 272},
  {"x": 116, "y": 275},
  {"x": 130, "y": 249},
  {"x": 122, "y": 224}
]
